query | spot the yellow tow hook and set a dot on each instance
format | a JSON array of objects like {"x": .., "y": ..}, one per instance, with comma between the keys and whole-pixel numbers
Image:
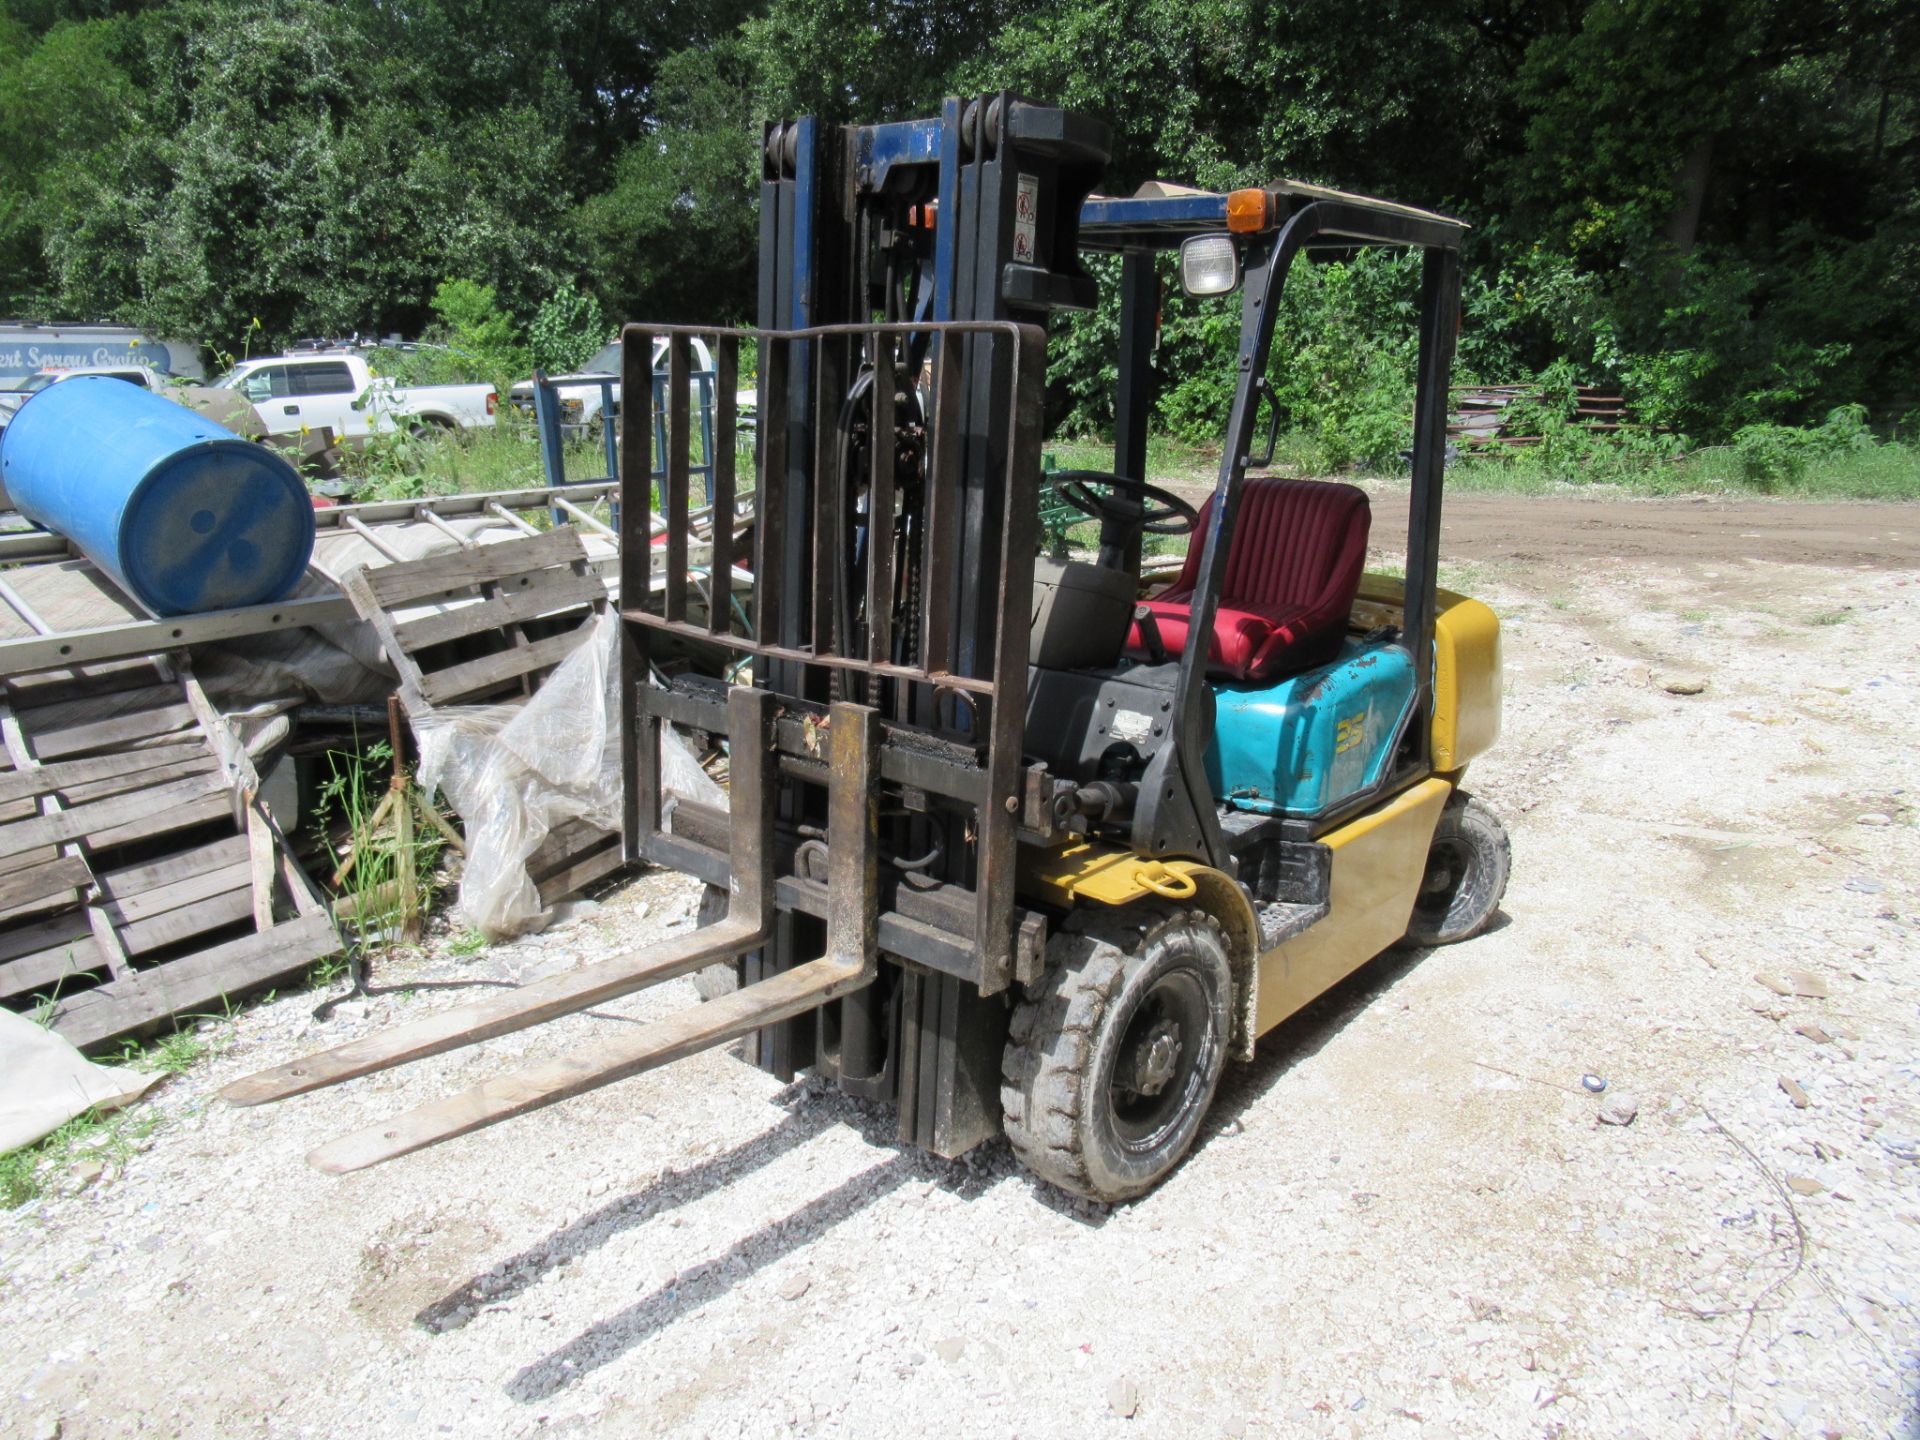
[{"x": 1168, "y": 884}]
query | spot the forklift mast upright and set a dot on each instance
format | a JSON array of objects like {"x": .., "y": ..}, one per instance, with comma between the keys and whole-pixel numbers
[{"x": 893, "y": 565}]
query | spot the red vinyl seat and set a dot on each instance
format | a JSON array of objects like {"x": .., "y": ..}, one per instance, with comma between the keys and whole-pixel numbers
[{"x": 1292, "y": 573}]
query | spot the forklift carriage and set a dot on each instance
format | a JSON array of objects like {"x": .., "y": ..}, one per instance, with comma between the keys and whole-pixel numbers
[{"x": 1007, "y": 847}]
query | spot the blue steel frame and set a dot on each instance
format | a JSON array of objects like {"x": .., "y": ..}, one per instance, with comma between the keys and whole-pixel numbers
[
  {"x": 552, "y": 433},
  {"x": 1126, "y": 224}
]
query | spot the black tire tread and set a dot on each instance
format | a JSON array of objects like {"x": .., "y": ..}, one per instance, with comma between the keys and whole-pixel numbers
[
  {"x": 1466, "y": 814},
  {"x": 1050, "y": 1036}
]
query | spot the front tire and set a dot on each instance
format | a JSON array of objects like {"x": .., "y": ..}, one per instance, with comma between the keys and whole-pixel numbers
[
  {"x": 1466, "y": 877},
  {"x": 1113, "y": 1057}
]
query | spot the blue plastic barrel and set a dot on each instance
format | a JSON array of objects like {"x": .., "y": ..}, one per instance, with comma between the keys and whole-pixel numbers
[{"x": 182, "y": 512}]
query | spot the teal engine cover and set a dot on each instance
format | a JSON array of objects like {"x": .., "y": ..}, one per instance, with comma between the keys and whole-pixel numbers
[{"x": 1315, "y": 739}]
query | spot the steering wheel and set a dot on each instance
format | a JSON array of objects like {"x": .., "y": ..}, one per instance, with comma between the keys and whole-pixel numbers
[{"x": 1131, "y": 507}]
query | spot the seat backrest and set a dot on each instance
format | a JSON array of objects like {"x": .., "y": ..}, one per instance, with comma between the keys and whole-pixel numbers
[{"x": 1292, "y": 540}]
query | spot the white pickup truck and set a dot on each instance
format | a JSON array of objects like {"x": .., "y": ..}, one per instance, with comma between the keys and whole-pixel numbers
[{"x": 336, "y": 389}]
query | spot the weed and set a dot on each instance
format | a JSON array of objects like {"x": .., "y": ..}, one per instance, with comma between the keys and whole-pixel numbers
[
  {"x": 327, "y": 971},
  {"x": 1462, "y": 577},
  {"x": 110, "y": 1136},
  {"x": 1167, "y": 459},
  {"x": 1830, "y": 466},
  {"x": 1832, "y": 617},
  {"x": 507, "y": 457},
  {"x": 173, "y": 1054},
  {"x": 352, "y": 792},
  {"x": 177, "y": 1053},
  {"x": 1694, "y": 616},
  {"x": 19, "y": 1177},
  {"x": 468, "y": 942}
]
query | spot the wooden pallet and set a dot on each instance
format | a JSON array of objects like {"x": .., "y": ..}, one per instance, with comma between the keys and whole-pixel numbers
[
  {"x": 1483, "y": 415},
  {"x": 485, "y": 624},
  {"x": 140, "y": 877}
]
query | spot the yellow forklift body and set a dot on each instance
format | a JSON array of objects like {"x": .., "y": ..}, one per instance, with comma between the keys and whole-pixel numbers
[
  {"x": 1378, "y": 858},
  {"x": 1466, "y": 666},
  {"x": 1378, "y": 862}
]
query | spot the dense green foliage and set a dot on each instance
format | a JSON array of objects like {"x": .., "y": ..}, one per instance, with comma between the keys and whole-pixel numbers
[{"x": 1713, "y": 205}]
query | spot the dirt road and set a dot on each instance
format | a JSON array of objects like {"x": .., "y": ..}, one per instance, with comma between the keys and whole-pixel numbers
[
  {"x": 1404, "y": 1221},
  {"x": 1556, "y": 531}
]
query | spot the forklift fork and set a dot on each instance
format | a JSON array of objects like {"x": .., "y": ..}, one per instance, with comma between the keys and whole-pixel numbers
[{"x": 848, "y": 964}]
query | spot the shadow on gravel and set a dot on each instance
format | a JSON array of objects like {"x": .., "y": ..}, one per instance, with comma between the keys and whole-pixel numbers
[
  {"x": 670, "y": 1190},
  {"x": 1304, "y": 1035},
  {"x": 810, "y": 1114},
  {"x": 698, "y": 1285}
]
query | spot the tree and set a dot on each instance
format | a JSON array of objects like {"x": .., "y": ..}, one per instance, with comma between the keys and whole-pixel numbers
[
  {"x": 280, "y": 167},
  {"x": 66, "y": 105},
  {"x": 1717, "y": 205},
  {"x": 674, "y": 236},
  {"x": 1742, "y": 179}
]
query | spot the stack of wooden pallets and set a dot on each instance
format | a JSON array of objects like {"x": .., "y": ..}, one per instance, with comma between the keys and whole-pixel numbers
[
  {"x": 484, "y": 624},
  {"x": 140, "y": 877}
]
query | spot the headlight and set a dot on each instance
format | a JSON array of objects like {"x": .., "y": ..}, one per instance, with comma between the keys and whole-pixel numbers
[{"x": 1209, "y": 265}]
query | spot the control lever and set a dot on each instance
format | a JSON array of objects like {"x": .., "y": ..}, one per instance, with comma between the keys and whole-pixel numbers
[{"x": 1148, "y": 625}]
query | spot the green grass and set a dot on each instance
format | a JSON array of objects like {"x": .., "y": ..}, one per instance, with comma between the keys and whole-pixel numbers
[
  {"x": 111, "y": 1137},
  {"x": 1167, "y": 459},
  {"x": 1888, "y": 471},
  {"x": 327, "y": 971},
  {"x": 507, "y": 457},
  {"x": 1881, "y": 472},
  {"x": 174, "y": 1054},
  {"x": 370, "y": 901},
  {"x": 1462, "y": 577}
]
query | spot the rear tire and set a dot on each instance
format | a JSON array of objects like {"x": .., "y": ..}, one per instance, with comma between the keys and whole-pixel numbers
[
  {"x": 1466, "y": 876},
  {"x": 1113, "y": 1057}
]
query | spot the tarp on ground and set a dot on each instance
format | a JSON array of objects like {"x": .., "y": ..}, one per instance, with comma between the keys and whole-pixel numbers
[{"x": 45, "y": 1082}]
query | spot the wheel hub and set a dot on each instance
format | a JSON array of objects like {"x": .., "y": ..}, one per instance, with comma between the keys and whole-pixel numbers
[{"x": 1155, "y": 1059}]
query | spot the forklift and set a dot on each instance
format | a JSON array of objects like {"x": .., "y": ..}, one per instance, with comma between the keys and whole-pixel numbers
[{"x": 1009, "y": 848}]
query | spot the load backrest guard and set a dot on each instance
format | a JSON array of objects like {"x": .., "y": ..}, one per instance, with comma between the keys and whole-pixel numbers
[
  {"x": 900, "y": 390},
  {"x": 878, "y": 622}
]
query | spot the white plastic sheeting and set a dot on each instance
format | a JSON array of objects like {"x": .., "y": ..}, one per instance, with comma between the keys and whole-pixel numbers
[
  {"x": 517, "y": 772},
  {"x": 45, "y": 1082}
]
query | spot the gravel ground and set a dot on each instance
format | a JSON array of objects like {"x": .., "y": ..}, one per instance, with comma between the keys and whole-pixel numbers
[{"x": 1406, "y": 1218}]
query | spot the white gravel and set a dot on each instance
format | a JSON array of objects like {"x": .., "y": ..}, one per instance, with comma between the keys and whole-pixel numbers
[{"x": 1405, "y": 1220}]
